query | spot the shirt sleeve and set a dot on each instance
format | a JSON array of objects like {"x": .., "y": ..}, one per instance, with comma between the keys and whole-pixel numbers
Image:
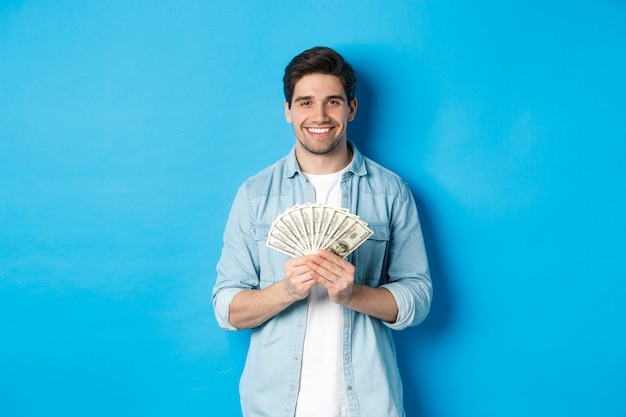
[
  {"x": 236, "y": 269},
  {"x": 408, "y": 273}
]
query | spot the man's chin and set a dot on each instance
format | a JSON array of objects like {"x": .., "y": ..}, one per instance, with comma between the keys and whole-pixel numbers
[{"x": 322, "y": 148}]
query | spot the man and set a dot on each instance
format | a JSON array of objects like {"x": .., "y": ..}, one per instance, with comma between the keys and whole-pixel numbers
[{"x": 321, "y": 341}]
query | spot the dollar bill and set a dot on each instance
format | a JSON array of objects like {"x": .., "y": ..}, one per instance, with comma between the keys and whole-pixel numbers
[
  {"x": 304, "y": 229},
  {"x": 349, "y": 240}
]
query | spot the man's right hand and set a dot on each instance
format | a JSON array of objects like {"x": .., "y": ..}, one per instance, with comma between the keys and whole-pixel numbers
[
  {"x": 251, "y": 308},
  {"x": 298, "y": 278}
]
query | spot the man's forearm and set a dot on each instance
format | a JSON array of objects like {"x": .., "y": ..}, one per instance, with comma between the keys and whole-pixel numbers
[
  {"x": 375, "y": 302},
  {"x": 251, "y": 308}
]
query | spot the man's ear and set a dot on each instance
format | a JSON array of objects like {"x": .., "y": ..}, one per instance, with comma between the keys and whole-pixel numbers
[
  {"x": 352, "y": 111},
  {"x": 288, "y": 112}
]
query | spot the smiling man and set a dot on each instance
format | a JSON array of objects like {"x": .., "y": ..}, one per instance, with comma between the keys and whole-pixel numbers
[
  {"x": 320, "y": 112},
  {"x": 321, "y": 342}
]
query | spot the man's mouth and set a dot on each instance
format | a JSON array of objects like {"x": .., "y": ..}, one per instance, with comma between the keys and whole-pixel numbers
[{"x": 318, "y": 130}]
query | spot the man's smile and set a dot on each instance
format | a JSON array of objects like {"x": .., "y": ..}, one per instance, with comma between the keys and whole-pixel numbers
[{"x": 318, "y": 130}]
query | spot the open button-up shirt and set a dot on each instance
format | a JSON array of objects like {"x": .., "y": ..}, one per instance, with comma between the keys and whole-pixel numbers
[{"x": 394, "y": 257}]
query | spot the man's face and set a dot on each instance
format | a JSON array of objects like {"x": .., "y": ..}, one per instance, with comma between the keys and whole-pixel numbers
[{"x": 320, "y": 113}]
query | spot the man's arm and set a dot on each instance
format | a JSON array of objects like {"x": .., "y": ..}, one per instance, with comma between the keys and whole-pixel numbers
[
  {"x": 251, "y": 308},
  {"x": 375, "y": 302},
  {"x": 337, "y": 275}
]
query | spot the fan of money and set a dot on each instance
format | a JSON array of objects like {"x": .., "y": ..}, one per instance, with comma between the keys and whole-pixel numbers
[{"x": 305, "y": 229}]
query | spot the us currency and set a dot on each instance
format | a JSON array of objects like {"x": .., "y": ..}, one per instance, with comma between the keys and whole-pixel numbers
[
  {"x": 321, "y": 214},
  {"x": 306, "y": 216},
  {"x": 281, "y": 246},
  {"x": 339, "y": 221},
  {"x": 294, "y": 219},
  {"x": 304, "y": 229},
  {"x": 350, "y": 239},
  {"x": 280, "y": 238}
]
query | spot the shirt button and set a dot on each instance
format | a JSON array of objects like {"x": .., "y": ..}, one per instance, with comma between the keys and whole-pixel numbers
[
  {"x": 347, "y": 323},
  {"x": 347, "y": 356},
  {"x": 292, "y": 389},
  {"x": 349, "y": 387}
]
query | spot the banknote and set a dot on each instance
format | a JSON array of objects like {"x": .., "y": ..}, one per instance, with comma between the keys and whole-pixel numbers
[{"x": 304, "y": 229}]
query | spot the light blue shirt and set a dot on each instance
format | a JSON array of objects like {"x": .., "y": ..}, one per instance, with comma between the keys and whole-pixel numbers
[{"x": 394, "y": 257}]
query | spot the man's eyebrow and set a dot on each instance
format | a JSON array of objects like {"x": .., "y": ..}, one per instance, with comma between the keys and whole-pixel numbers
[
  {"x": 309, "y": 98},
  {"x": 302, "y": 98}
]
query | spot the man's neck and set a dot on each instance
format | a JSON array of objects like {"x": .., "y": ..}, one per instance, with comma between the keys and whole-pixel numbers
[{"x": 324, "y": 164}]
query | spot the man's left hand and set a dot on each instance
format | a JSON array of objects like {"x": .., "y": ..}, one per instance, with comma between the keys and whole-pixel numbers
[{"x": 334, "y": 273}]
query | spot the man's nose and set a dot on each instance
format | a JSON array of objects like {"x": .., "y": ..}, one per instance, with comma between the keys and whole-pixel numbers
[{"x": 320, "y": 113}]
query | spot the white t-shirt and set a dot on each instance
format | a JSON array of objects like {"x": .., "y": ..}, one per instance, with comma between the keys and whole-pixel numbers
[{"x": 321, "y": 380}]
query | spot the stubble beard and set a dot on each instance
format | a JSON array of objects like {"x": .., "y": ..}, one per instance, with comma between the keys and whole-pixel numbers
[{"x": 324, "y": 148}]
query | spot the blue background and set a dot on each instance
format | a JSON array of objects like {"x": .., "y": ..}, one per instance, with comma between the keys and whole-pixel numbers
[{"x": 126, "y": 127}]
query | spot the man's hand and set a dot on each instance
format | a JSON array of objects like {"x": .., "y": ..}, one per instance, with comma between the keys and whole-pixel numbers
[
  {"x": 334, "y": 273},
  {"x": 251, "y": 308},
  {"x": 298, "y": 278},
  {"x": 337, "y": 275}
]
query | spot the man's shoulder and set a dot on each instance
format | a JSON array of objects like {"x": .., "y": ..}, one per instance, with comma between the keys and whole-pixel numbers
[
  {"x": 378, "y": 169},
  {"x": 270, "y": 177},
  {"x": 380, "y": 175},
  {"x": 269, "y": 172}
]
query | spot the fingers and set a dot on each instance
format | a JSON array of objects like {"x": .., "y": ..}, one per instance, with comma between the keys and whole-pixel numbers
[
  {"x": 327, "y": 262},
  {"x": 298, "y": 277},
  {"x": 333, "y": 273},
  {"x": 329, "y": 269},
  {"x": 296, "y": 267},
  {"x": 324, "y": 268}
]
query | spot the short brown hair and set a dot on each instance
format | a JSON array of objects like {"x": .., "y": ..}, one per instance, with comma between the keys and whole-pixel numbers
[{"x": 319, "y": 60}]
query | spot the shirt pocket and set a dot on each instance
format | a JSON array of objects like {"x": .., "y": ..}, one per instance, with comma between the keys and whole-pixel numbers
[
  {"x": 269, "y": 263},
  {"x": 260, "y": 232},
  {"x": 371, "y": 259}
]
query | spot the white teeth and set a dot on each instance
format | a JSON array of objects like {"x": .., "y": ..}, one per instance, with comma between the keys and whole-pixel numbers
[{"x": 319, "y": 129}]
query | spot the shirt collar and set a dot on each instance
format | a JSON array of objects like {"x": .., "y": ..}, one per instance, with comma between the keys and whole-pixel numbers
[{"x": 357, "y": 166}]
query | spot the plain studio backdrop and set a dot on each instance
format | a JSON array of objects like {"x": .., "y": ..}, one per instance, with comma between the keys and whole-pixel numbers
[{"x": 127, "y": 126}]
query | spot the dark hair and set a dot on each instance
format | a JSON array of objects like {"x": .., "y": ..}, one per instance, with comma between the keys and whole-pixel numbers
[{"x": 319, "y": 60}]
